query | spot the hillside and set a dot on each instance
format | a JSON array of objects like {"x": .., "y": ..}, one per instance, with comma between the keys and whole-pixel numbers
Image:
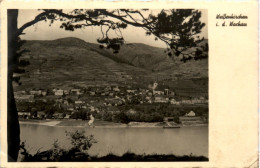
[{"x": 70, "y": 61}]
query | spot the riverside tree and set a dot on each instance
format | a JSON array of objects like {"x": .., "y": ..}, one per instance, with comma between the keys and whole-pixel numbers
[{"x": 178, "y": 28}]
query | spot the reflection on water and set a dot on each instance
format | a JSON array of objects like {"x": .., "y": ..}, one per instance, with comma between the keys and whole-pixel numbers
[{"x": 185, "y": 140}]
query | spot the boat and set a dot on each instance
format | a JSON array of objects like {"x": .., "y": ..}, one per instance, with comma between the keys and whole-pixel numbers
[{"x": 172, "y": 126}]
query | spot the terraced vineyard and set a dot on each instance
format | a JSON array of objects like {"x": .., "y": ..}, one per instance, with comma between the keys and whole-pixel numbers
[{"x": 67, "y": 62}]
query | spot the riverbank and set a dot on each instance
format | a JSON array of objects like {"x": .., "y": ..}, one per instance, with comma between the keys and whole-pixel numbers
[
  {"x": 97, "y": 123},
  {"x": 126, "y": 157}
]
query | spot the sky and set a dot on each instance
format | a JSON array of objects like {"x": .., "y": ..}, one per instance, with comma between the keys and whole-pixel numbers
[{"x": 42, "y": 30}]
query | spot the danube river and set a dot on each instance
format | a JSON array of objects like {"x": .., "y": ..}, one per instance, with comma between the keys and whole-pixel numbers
[{"x": 182, "y": 141}]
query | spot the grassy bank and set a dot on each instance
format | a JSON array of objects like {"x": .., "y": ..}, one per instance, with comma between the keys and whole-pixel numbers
[
  {"x": 131, "y": 157},
  {"x": 127, "y": 157}
]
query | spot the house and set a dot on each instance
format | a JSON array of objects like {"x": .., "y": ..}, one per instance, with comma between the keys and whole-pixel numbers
[
  {"x": 159, "y": 99},
  {"x": 67, "y": 116},
  {"x": 172, "y": 93},
  {"x": 66, "y": 92},
  {"x": 150, "y": 94},
  {"x": 186, "y": 120},
  {"x": 195, "y": 101},
  {"x": 112, "y": 109},
  {"x": 202, "y": 98},
  {"x": 173, "y": 101},
  {"x": 44, "y": 93},
  {"x": 166, "y": 91},
  {"x": 29, "y": 98},
  {"x": 42, "y": 99},
  {"x": 35, "y": 92},
  {"x": 58, "y": 93},
  {"x": 108, "y": 88},
  {"x": 131, "y": 111},
  {"x": 158, "y": 92},
  {"x": 25, "y": 115},
  {"x": 115, "y": 101},
  {"x": 70, "y": 109},
  {"x": 58, "y": 115},
  {"x": 130, "y": 91},
  {"x": 19, "y": 92},
  {"x": 116, "y": 89},
  {"x": 79, "y": 102},
  {"x": 41, "y": 114},
  {"x": 75, "y": 91},
  {"x": 111, "y": 94},
  {"x": 190, "y": 114},
  {"x": 92, "y": 93}
]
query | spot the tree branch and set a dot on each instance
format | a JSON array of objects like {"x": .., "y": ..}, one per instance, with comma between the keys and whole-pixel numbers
[
  {"x": 37, "y": 19},
  {"x": 104, "y": 12}
]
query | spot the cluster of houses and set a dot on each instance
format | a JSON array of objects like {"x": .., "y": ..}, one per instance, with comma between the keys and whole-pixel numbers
[
  {"x": 112, "y": 95},
  {"x": 97, "y": 98},
  {"x": 42, "y": 115}
]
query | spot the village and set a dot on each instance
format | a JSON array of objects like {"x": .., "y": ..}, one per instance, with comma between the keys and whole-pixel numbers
[{"x": 105, "y": 102}]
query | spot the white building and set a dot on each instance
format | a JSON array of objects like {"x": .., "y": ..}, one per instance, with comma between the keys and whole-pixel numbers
[
  {"x": 79, "y": 102},
  {"x": 161, "y": 99},
  {"x": 44, "y": 93},
  {"x": 158, "y": 92},
  {"x": 173, "y": 101},
  {"x": 35, "y": 92},
  {"x": 58, "y": 93},
  {"x": 190, "y": 114},
  {"x": 130, "y": 91}
]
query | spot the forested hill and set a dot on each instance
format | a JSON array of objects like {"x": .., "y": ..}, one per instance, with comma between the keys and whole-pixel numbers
[{"x": 70, "y": 60}]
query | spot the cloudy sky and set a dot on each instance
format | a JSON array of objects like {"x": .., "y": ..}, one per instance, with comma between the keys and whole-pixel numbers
[{"x": 42, "y": 30}]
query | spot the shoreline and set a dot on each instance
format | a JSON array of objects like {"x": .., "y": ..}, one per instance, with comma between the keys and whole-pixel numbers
[{"x": 99, "y": 124}]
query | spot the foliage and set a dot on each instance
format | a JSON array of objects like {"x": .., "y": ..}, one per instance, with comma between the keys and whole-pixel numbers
[
  {"x": 179, "y": 29},
  {"x": 58, "y": 154},
  {"x": 80, "y": 141},
  {"x": 50, "y": 107},
  {"x": 121, "y": 117},
  {"x": 152, "y": 113},
  {"x": 132, "y": 157},
  {"x": 81, "y": 114},
  {"x": 78, "y": 152}
]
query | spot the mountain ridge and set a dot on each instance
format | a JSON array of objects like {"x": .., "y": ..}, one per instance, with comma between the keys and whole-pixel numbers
[{"x": 72, "y": 61}]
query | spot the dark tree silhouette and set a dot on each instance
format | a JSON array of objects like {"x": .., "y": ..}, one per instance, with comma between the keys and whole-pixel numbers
[{"x": 177, "y": 28}]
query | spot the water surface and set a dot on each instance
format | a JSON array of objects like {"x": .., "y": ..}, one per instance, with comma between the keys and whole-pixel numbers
[{"x": 183, "y": 141}]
